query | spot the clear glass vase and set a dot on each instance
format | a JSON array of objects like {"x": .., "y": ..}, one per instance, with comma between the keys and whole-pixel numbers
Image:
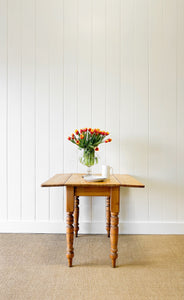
[{"x": 88, "y": 158}]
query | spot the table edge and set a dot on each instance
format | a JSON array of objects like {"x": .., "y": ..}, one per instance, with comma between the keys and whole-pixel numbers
[
  {"x": 140, "y": 184},
  {"x": 44, "y": 184},
  {"x": 118, "y": 184}
]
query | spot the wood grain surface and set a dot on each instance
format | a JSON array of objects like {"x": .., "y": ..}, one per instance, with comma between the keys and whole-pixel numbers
[
  {"x": 56, "y": 180},
  {"x": 78, "y": 180},
  {"x": 129, "y": 181}
]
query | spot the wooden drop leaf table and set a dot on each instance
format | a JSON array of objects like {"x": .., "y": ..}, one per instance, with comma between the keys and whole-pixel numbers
[{"x": 76, "y": 186}]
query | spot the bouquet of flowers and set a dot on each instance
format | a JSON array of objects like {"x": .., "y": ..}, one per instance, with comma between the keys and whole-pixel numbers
[{"x": 89, "y": 139}]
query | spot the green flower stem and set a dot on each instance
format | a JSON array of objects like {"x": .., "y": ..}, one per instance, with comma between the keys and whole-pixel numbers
[{"x": 89, "y": 159}]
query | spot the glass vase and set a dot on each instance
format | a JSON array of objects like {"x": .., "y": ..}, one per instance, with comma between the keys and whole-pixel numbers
[{"x": 88, "y": 158}]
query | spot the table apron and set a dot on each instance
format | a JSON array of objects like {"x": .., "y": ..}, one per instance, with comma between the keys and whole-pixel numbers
[{"x": 92, "y": 191}]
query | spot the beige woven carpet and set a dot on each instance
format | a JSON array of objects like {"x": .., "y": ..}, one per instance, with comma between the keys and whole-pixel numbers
[{"x": 34, "y": 266}]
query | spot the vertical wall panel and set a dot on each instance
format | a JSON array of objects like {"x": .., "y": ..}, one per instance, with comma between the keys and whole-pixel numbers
[
  {"x": 56, "y": 66},
  {"x": 98, "y": 49},
  {"x": 156, "y": 112},
  {"x": 70, "y": 82},
  {"x": 99, "y": 91},
  {"x": 14, "y": 109},
  {"x": 140, "y": 144},
  {"x": 28, "y": 110},
  {"x": 3, "y": 108},
  {"x": 84, "y": 62},
  {"x": 42, "y": 108},
  {"x": 127, "y": 107},
  {"x": 84, "y": 84},
  {"x": 180, "y": 110},
  {"x": 113, "y": 81},
  {"x": 169, "y": 112}
]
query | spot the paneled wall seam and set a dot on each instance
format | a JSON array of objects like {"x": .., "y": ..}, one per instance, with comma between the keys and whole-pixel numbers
[
  {"x": 162, "y": 1},
  {"x": 177, "y": 127},
  {"x": 35, "y": 155},
  {"x": 63, "y": 94},
  {"x": 176, "y": 139},
  {"x": 176, "y": 116},
  {"x": 91, "y": 62},
  {"x": 148, "y": 112},
  {"x": 120, "y": 78},
  {"x": 36, "y": 114},
  {"x": 92, "y": 12},
  {"x": 134, "y": 102},
  {"x": 77, "y": 73},
  {"x": 91, "y": 66},
  {"x": 7, "y": 63},
  {"x": 49, "y": 114},
  {"x": 21, "y": 120},
  {"x": 36, "y": 110},
  {"x": 164, "y": 30},
  {"x": 105, "y": 71}
]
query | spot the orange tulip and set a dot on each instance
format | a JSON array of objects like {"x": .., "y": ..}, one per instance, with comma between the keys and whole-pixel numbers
[{"x": 81, "y": 136}]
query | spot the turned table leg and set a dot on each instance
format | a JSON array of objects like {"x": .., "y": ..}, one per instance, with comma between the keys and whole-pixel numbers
[
  {"x": 108, "y": 216},
  {"x": 76, "y": 215},
  {"x": 69, "y": 224},
  {"x": 114, "y": 238},
  {"x": 114, "y": 224},
  {"x": 69, "y": 238}
]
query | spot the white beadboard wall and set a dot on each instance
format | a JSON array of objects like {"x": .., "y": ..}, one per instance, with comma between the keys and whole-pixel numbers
[{"x": 113, "y": 64}]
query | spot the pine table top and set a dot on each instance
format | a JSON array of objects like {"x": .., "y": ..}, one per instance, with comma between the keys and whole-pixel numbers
[{"x": 77, "y": 180}]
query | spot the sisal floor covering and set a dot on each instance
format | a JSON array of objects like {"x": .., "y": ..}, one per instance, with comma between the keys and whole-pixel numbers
[{"x": 34, "y": 266}]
